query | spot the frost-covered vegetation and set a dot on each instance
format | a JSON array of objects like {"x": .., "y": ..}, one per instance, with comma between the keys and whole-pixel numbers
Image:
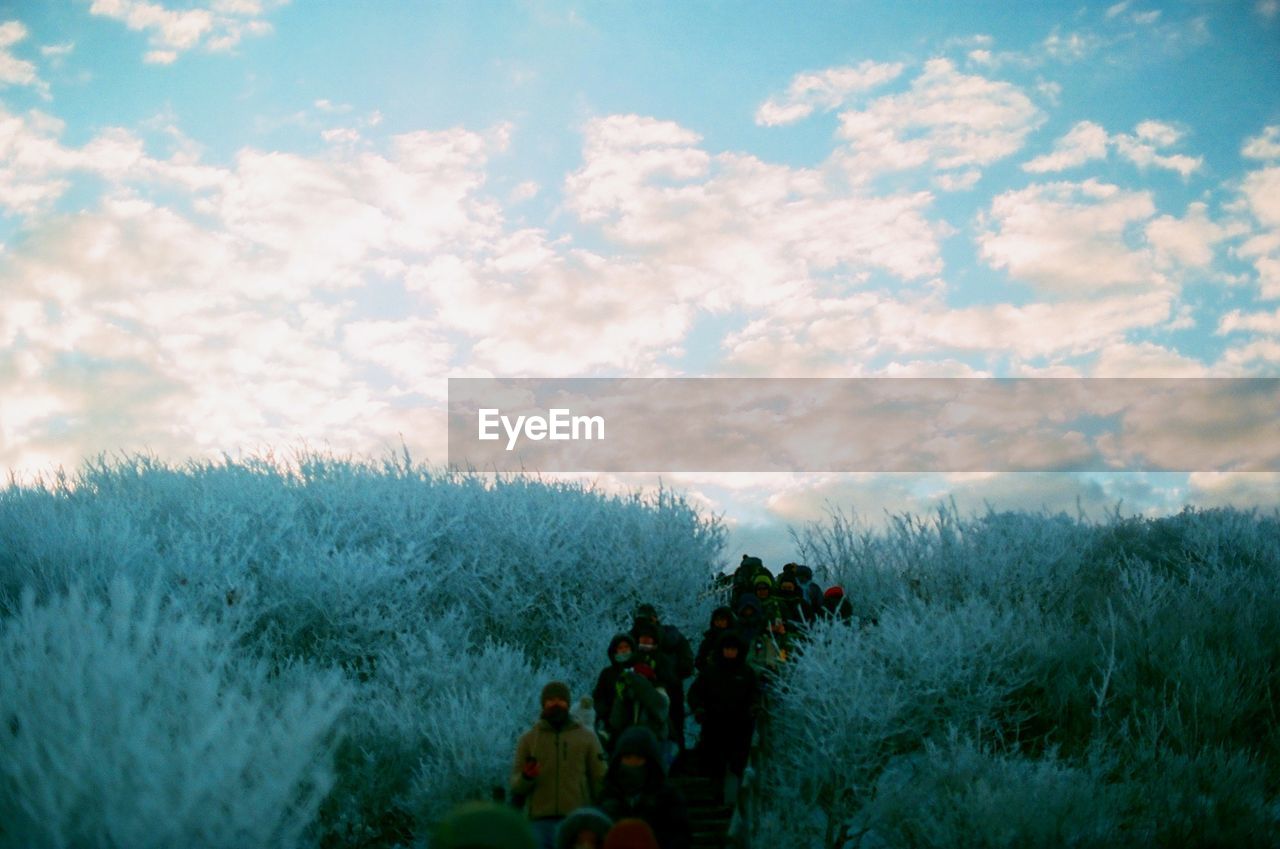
[
  {"x": 332, "y": 653},
  {"x": 322, "y": 652},
  {"x": 1034, "y": 680}
]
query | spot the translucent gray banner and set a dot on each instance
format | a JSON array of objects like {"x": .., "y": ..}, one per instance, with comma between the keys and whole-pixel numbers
[{"x": 864, "y": 424}]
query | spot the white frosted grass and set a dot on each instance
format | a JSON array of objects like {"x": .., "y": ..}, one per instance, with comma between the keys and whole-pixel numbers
[{"x": 129, "y": 725}]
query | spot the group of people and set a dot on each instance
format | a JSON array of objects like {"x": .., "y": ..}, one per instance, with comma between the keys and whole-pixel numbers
[{"x": 595, "y": 776}]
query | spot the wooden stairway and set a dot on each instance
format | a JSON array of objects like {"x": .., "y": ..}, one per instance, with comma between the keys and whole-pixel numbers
[{"x": 707, "y": 812}]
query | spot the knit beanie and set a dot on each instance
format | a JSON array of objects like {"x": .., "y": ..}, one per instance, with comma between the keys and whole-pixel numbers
[
  {"x": 484, "y": 825},
  {"x": 630, "y": 834},
  {"x": 555, "y": 690},
  {"x": 833, "y": 592}
]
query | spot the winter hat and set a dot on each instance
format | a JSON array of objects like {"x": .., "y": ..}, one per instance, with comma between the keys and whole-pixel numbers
[
  {"x": 630, "y": 833},
  {"x": 646, "y": 611},
  {"x": 721, "y": 613},
  {"x": 833, "y": 592},
  {"x": 583, "y": 819},
  {"x": 762, "y": 581},
  {"x": 555, "y": 690},
  {"x": 484, "y": 825},
  {"x": 803, "y": 572}
]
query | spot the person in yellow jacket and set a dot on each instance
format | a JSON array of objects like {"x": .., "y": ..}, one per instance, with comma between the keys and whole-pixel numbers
[{"x": 559, "y": 765}]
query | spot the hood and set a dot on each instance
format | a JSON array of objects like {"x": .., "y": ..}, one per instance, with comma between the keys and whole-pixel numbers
[
  {"x": 593, "y": 819},
  {"x": 726, "y": 612},
  {"x": 749, "y": 600},
  {"x": 638, "y": 740},
  {"x": 613, "y": 645}
]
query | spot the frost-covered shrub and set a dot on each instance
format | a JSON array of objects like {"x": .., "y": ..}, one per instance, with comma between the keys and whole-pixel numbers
[
  {"x": 954, "y": 793},
  {"x": 445, "y": 599},
  {"x": 128, "y": 723},
  {"x": 1048, "y": 641}
]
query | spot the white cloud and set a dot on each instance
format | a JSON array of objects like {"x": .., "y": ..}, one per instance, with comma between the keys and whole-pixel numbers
[
  {"x": 1265, "y": 146},
  {"x": 1146, "y": 359},
  {"x": 826, "y": 89},
  {"x": 1070, "y": 238},
  {"x": 947, "y": 121},
  {"x": 1267, "y": 8},
  {"x": 1085, "y": 141},
  {"x": 1149, "y": 136},
  {"x": 1188, "y": 241},
  {"x": 1260, "y": 322},
  {"x": 214, "y": 26},
  {"x": 1261, "y": 195},
  {"x": 15, "y": 71}
]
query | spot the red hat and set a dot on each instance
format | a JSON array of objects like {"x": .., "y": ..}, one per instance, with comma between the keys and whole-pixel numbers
[
  {"x": 833, "y": 592},
  {"x": 630, "y": 833}
]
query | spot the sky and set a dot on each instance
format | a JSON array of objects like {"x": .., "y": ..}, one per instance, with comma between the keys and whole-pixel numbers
[{"x": 239, "y": 226}]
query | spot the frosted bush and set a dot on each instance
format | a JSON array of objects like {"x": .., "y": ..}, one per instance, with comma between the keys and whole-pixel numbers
[
  {"x": 129, "y": 723},
  {"x": 1040, "y": 642},
  {"x": 954, "y": 793}
]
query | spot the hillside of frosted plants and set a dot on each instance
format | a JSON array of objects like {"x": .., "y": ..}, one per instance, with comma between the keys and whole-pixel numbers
[
  {"x": 323, "y": 652},
  {"x": 1034, "y": 680}
]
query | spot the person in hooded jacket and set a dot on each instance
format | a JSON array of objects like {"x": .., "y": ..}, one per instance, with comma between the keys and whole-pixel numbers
[
  {"x": 722, "y": 621},
  {"x": 809, "y": 588},
  {"x": 640, "y": 700},
  {"x": 558, "y": 765},
  {"x": 793, "y": 607},
  {"x": 635, "y": 786},
  {"x": 749, "y": 614},
  {"x": 585, "y": 828},
  {"x": 725, "y": 698},
  {"x": 763, "y": 589},
  {"x": 622, "y": 656},
  {"x": 746, "y": 573},
  {"x": 673, "y": 670}
]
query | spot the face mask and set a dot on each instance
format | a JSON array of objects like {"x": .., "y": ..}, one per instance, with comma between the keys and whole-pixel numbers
[
  {"x": 647, "y": 647},
  {"x": 556, "y": 715},
  {"x": 622, "y": 657},
  {"x": 631, "y": 779}
]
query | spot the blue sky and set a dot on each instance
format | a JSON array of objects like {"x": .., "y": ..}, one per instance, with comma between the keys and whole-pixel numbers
[{"x": 234, "y": 224}]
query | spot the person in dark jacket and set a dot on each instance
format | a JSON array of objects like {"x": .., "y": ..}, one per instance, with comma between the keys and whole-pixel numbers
[
  {"x": 747, "y": 571},
  {"x": 793, "y": 608},
  {"x": 675, "y": 647},
  {"x": 622, "y": 656},
  {"x": 483, "y": 825},
  {"x": 725, "y": 698},
  {"x": 809, "y": 588},
  {"x": 722, "y": 620},
  {"x": 836, "y": 606},
  {"x": 635, "y": 786}
]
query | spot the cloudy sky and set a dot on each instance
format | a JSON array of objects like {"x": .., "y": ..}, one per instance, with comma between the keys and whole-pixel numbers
[{"x": 234, "y": 225}]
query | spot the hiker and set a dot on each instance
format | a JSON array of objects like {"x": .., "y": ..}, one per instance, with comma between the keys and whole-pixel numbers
[
  {"x": 640, "y": 701},
  {"x": 722, "y": 621},
  {"x": 762, "y": 589},
  {"x": 750, "y": 617},
  {"x": 558, "y": 765},
  {"x": 585, "y": 828},
  {"x": 674, "y": 646},
  {"x": 622, "y": 656},
  {"x": 809, "y": 589},
  {"x": 636, "y": 786},
  {"x": 836, "y": 606},
  {"x": 725, "y": 698},
  {"x": 793, "y": 607},
  {"x": 747, "y": 571}
]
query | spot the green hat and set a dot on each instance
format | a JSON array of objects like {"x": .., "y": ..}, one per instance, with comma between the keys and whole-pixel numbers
[{"x": 484, "y": 825}]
